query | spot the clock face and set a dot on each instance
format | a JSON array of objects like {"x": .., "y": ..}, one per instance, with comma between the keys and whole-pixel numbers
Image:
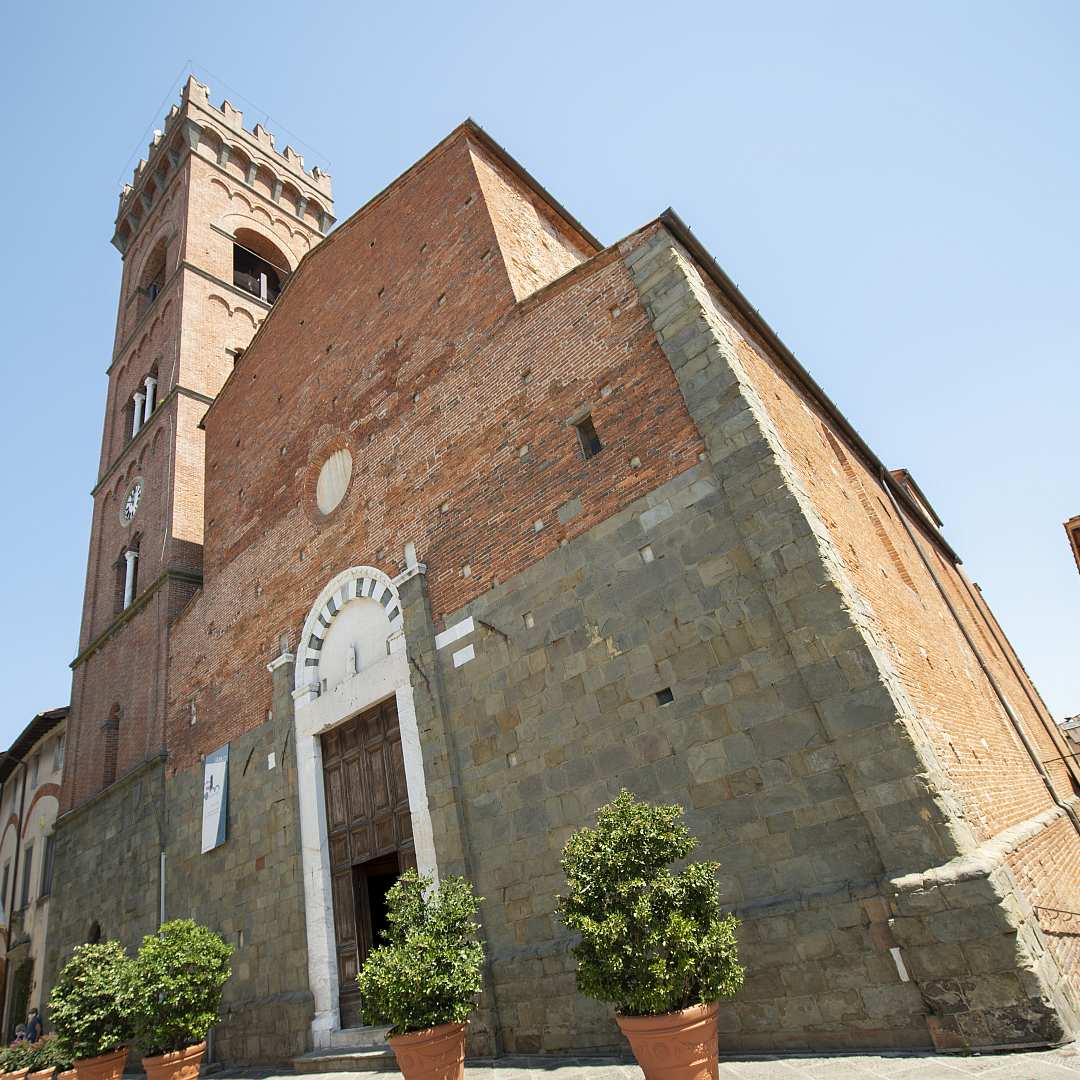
[{"x": 131, "y": 503}]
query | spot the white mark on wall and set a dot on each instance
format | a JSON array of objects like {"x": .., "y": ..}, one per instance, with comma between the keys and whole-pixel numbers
[
  {"x": 454, "y": 633},
  {"x": 899, "y": 960}
]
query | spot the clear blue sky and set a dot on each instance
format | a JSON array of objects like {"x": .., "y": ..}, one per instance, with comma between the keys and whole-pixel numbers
[{"x": 894, "y": 186}]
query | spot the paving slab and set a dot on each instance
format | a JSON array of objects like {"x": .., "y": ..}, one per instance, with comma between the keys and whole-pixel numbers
[{"x": 1062, "y": 1063}]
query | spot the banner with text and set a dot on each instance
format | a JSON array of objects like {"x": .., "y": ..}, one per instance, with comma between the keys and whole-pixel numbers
[{"x": 215, "y": 798}]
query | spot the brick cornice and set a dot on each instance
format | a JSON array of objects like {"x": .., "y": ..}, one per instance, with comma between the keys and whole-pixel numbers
[
  {"x": 222, "y": 283},
  {"x": 175, "y": 392},
  {"x": 197, "y": 270},
  {"x": 133, "y": 609},
  {"x": 324, "y": 200}
]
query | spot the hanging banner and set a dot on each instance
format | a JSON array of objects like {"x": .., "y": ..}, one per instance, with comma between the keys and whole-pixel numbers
[{"x": 215, "y": 798}]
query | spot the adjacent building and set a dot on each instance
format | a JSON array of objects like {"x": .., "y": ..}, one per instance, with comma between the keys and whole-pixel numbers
[
  {"x": 1072, "y": 531},
  {"x": 414, "y": 543},
  {"x": 30, "y": 774}
]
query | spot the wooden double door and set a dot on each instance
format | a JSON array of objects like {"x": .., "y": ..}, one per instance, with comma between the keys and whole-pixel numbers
[{"x": 369, "y": 833}]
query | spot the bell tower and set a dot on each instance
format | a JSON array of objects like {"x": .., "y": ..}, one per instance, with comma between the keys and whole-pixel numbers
[{"x": 210, "y": 228}]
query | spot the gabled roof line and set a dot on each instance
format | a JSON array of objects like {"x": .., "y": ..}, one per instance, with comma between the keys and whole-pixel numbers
[
  {"x": 731, "y": 292},
  {"x": 468, "y": 127}
]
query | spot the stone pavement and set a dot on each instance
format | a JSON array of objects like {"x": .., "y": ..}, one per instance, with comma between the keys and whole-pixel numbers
[{"x": 1059, "y": 1064}]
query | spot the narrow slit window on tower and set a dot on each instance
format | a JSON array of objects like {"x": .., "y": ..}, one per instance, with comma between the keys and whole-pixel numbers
[
  {"x": 111, "y": 746},
  {"x": 590, "y": 441}
]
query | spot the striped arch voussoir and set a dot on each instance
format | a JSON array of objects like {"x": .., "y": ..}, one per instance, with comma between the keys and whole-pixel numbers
[{"x": 352, "y": 584}]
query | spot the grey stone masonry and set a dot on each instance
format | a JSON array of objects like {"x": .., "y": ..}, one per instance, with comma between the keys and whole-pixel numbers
[
  {"x": 106, "y": 869},
  {"x": 735, "y": 672},
  {"x": 250, "y": 889},
  {"x": 899, "y": 786},
  {"x": 442, "y": 777}
]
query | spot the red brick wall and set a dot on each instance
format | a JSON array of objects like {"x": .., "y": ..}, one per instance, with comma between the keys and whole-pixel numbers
[
  {"x": 437, "y": 402},
  {"x": 149, "y": 459},
  {"x": 189, "y": 334},
  {"x": 1048, "y": 870},
  {"x": 537, "y": 246},
  {"x": 974, "y": 742}
]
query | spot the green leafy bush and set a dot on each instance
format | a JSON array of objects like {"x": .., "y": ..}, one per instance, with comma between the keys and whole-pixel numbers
[
  {"x": 428, "y": 972},
  {"x": 652, "y": 941},
  {"x": 179, "y": 974},
  {"x": 50, "y": 1052},
  {"x": 91, "y": 1004},
  {"x": 16, "y": 1056}
]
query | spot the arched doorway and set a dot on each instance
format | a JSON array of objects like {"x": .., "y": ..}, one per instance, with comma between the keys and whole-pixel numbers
[{"x": 364, "y": 815}]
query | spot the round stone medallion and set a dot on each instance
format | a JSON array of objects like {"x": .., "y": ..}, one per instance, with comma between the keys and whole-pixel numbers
[{"x": 333, "y": 481}]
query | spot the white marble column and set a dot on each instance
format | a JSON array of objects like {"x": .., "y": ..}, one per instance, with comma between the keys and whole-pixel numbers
[
  {"x": 151, "y": 397},
  {"x": 137, "y": 419},
  {"x": 129, "y": 576}
]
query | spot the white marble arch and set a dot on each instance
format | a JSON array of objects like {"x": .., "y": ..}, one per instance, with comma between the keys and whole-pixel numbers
[{"x": 351, "y": 656}]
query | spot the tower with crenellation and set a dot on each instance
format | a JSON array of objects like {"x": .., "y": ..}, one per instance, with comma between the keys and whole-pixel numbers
[{"x": 210, "y": 228}]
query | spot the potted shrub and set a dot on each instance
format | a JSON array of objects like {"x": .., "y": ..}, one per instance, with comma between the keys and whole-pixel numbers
[
  {"x": 654, "y": 943},
  {"x": 424, "y": 980},
  {"x": 90, "y": 1009},
  {"x": 15, "y": 1059},
  {"x": 48, "y": 1056},
  {"x": 179, "y": 974}
]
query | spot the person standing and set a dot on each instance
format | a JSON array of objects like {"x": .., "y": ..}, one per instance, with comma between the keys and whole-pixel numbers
[{"x": 34, "y": 1026}]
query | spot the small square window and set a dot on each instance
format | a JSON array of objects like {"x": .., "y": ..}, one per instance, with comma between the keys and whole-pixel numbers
[
  {"x": 590, "y": 441},
  {"x": 665, "y": 696}
]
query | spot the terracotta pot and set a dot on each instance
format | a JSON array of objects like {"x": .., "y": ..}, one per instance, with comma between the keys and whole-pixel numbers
[
  {"x": 179, "y": 1065},
  {"x": 18, "y": 1074},
  {"x": 105, "y": 1067},
  {"x": 675, "y": 1046},
  {"x": 435, "y": 1054},
  {"x": 42, "y": 1074},
  {"x": 67, "y": 1074}
]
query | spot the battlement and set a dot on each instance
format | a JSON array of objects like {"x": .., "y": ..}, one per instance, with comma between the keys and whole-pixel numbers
[{"x": 194, "y": 124}]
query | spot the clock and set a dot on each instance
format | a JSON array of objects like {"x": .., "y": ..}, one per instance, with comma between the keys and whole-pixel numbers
[{"x": 131, "y": 503}]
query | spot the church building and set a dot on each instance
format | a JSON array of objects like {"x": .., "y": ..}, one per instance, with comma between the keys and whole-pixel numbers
[{"x": 416, "y": 539}]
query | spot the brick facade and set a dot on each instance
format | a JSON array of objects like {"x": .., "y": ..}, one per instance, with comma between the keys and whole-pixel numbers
[
  {"x": 850, "y": 732},
  {"x": 206, "y": 181}
]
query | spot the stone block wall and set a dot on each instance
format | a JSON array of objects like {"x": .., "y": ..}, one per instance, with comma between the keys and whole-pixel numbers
[
  {"x": 550, "y": 721},
  {"x": 790, "y": 736},
  {"x": 107, "y": 867},
  {"x": 250, "y": 889}
]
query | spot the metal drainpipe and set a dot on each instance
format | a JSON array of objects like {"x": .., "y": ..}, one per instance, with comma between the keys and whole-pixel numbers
[{"x": 1014, "y": 720}]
